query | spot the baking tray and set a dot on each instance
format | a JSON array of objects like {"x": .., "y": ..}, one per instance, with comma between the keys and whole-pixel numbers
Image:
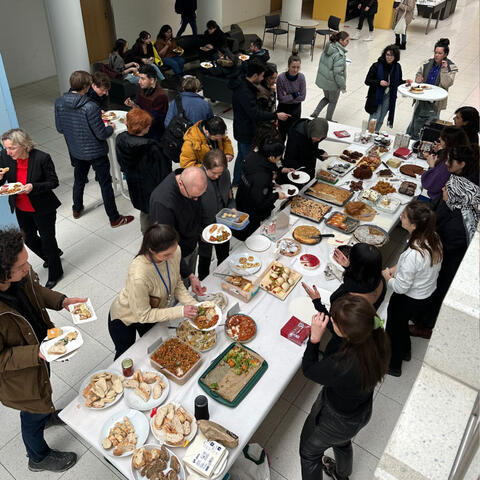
[
  {"x": 328, "y": 201},
  {"x": 244, "y": 391},
  {"x": 310, "y": 218},
  {"x": 346, "y": 232}
]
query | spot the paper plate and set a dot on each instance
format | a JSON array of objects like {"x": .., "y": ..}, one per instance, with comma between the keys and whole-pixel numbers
[
  {"x": 258, "y": 243},
  {"x": 11, "y": 189},
  {"x": 71, "y": 347},
  {"x": 220, "y": 227},
  {"x": 304, "y": 177}
]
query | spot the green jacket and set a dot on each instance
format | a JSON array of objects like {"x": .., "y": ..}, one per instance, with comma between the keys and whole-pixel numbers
[{"x": 332, "y": 68}]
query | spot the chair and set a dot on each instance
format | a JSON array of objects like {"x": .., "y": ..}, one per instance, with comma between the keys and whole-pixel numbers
[
  {"x": 305, "y": 36},
  {"x": 333, "y": 26},
  {"x": 272, "y": 24}
]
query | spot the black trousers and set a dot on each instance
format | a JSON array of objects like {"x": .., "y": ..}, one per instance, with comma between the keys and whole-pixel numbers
[
  {"x": 33, "y": 426},
  {"x": 295, "y": 110},
  {"x": 124, "y": 336},
  {"x": 401, "y": 309},
  {"x": 39, "y": 230},
  {"x": 366, "y": 15},
  {"x": 324, "y": 428},
  {"x": 205, "y": 257}
]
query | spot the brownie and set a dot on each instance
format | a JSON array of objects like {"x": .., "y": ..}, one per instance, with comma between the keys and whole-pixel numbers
[{"x": 407, "y": 188}]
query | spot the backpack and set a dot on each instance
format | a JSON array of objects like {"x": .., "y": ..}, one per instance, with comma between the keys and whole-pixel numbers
[{"x": 172, "y": 139}]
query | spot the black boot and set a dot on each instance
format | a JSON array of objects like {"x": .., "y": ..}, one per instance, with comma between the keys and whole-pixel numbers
[
  {"x": 403, "y": 46},
  {"x": 397, "y": 40}
]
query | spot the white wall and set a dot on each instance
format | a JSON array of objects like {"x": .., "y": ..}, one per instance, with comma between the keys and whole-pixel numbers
[
  {"x": 25, "y": 42},
  {"x": 208, "y": 10},
  {"x": 236, "y": 11}
]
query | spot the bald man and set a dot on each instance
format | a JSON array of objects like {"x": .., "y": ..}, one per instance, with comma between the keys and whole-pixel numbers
[{"x": 175, "y": 202}]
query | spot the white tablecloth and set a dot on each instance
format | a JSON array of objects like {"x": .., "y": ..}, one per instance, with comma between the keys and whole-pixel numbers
[{"x": 433, "y": 94}]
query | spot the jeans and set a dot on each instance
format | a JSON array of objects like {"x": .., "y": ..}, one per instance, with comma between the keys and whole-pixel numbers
[
  {"x": 330, "y": 99},
  {"x": 131, "y": 78},
  {"x": 160, "y": 75},
  {"x": 188, "y": 19},
  {"x": 381, "y": 112},
  {"x": 369, "y": 18},
  {"x": 33, "y": 425},
  {"x": 176, "y": 63},
  {"x": 243, "y": 149},
  {"x": 424, "y": 113},
  {"x": 101, "y": 166}
]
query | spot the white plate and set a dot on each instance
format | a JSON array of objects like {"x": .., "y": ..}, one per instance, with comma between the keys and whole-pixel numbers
[
  {"x": 70, "y": 347},
  {"x": 303, "y": 309},
  {"x": 161, "y": 438},
  {"x": 285, "y": 188},
  {"x": 134, "y": 401},
  {"x": 5, "y": 192},
  {"x": 206, "y": 233},
  {"x": 218, "y": 311},
  {"x": 234, "y": 262},
  {"x": 243, "y": 57},
  {"x": 150, "y": 446},
  {"x": 76, "y": 318},
  {"x": 139, "y": 422},
  {"x": 258, "y": 243},
  {"x": 86, "y": 381},
  {"x": 214, "y": 297},
  {"x": 206, "y": 64},
  {"x": 304, "y": 177}
]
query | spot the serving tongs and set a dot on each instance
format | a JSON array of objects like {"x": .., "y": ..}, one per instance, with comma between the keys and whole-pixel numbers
[{"x": 322, "y": 235}]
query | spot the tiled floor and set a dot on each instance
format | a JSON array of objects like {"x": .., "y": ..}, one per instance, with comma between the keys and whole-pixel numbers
[{"x": 96, "y": 257}]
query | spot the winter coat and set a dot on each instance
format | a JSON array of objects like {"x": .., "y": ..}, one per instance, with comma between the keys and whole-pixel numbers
[
  {"x": 196, "y": 145},
  {"x": 143, "y": 163},
  {"x": 434, "y": 179},
  {"x": 79, "y": 119},
  {"x": 407, "y": 8},
  {"x": 372, "y": 4},
  {"x": 332, "y": 68},
  {"x": 195, "y": 108}
]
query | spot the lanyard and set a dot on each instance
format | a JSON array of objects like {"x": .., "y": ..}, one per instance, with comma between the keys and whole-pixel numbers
[{"x": 169, "y": 289}]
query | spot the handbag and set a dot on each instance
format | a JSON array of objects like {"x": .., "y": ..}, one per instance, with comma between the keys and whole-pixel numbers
[{"x": 401, "y": 26}]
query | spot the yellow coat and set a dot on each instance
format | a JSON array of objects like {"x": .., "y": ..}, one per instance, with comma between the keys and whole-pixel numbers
[{"x": 195, "y": 147}]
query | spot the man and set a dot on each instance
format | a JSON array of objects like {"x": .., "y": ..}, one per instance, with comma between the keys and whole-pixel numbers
[
  {"x": 257, "y": 52},
  {"x": 187, "y": 8},
  {"x": 175, "y": 202},
  {"x": 246, "y": 114},
  {"x": 24, "y": 373},
  {"x": 194, "y": 106},
  {"x": 202, "y": 137},
  {"x": 99, "y": 89},
  {"x": 153, "y": 99},
  {"x": 79, "y": 119}
]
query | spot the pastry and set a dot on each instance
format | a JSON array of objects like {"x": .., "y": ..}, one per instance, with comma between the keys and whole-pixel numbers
[
  {"x": 54, "y": 332},
  {"x": 308, "y": 208},
  {"x": 307, "y": 234}
]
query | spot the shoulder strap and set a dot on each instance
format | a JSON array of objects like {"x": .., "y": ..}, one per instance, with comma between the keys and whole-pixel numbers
[{"x": 178, "y": 103}]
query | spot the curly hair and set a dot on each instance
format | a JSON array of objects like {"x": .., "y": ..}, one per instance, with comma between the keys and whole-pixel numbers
[{"x": 11, "y": 244}]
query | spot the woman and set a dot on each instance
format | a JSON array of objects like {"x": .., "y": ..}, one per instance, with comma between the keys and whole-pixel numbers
[
  {"x": 463, "y": 160},
  {"x": 368, "y": 9},
  {"x": 213, "y": 39},
  {"x": 142, "y": 161},
  {"x": 413, "y": 279},
  {"x": 332, "y": 73},
  {"x": 36, "y": 207},
  {"x": 440, "y": 71},
  {"x": 166, "y": 46},
  {"x": 383, "y": 80},
  {"x": 142, "y": 52},
  {"x": 267, "y": 90},
  {"x": 291, "y": 92},
  {"x": 403, "y": 16},
  {"x": 217, "y": 196},
  {"x": 152, "y": 289},
  {"x": 467, "y": 118},
  {"x": 116, "y": 62},
  {"x": 349, "y": 372}
]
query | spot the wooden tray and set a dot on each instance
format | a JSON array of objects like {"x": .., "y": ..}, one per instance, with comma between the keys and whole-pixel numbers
[
  {"x": 283, "y": 295},
  {"x": 311, "y": 192}
]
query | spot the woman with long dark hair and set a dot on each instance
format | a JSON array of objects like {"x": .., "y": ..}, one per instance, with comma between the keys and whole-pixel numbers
[
  {"x": 166, "y": 46},
  {"x": 267, "y": 90},
  {"x": 116, "y": 61},
  {"x": 349, "y": 372},
  {"x": 142, "y": 53},
  {"x": 468, "y": 119},
  {"x": 413, "y": 279}
]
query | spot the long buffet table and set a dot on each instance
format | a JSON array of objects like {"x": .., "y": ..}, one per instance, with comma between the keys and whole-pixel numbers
[{"x": 270, "y": 314}]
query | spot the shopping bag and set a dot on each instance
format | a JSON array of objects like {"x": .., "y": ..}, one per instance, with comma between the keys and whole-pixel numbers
[{"x": 251, "y": 465}]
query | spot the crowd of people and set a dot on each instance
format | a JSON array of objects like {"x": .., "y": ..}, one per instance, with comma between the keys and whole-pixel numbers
[{"x": 175, "y": 203}]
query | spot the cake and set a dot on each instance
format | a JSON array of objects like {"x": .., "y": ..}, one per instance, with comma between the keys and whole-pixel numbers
[
  {"x": 411, "y": 170},
  {"x": 326, "y": 176},
  {"x": 394, "y": 162},
  {"x": 307, "y": 234},
  {"x": 309, "y": 261},
  {"x": 370, "y": 195},
  {"x": 329, "y": 193},
  {"x": 295, "y": 175},
  {"x": 363, "y": 172},
  {"x": 407, "y": 188},
  {"x": 291, "y": 191}
]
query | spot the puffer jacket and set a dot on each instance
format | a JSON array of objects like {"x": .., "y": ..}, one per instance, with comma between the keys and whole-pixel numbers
[
  {"x": 24, "y": 381},
  {"x": 79, "y": 119},
  {"x": 332, "y": 68},
  {"x": 196, "y": 145}
]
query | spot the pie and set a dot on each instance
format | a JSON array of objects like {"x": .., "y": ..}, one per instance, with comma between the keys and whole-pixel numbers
[
  {"x": 289, "y": 247},
  {"x": 411, "y": 170},
  {"x": 307, "y": 234}
]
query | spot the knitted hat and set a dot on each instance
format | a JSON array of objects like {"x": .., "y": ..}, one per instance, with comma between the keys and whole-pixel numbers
[{"x": 318, "y": 128}]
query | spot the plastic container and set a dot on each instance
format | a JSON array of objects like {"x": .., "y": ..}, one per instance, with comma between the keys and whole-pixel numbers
[{"x": 225, "y": 217}]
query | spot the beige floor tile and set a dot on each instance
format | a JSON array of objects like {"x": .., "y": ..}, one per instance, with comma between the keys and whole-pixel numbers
[
  {"x": 270, "y": 423},
  {"x": 398, "y": 388},
  {"x": 89, "y": 466},
  {"x": 4, "y": 474}
]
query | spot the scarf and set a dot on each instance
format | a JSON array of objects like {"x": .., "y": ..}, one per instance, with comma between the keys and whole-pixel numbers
[
  {"x": 394, "y": 82},
  {"x": 464, "y": 195},
  {"x": 292, "y": 78},
  {"x": 318, "y": 127}
]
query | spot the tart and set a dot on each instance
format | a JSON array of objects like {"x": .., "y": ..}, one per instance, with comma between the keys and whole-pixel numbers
[
  {"x": 307, "y": 234},
  {"x": 309, "y": 261},
  {"x": 411, "y": 170}
]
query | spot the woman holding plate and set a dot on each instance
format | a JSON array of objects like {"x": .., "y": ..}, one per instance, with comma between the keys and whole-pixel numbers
[
  {"x": 168, "y": 50},
  {"x": 153, "y": 287}
]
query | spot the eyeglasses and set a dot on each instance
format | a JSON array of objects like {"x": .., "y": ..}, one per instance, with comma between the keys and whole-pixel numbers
[{"x": 186, "y": 191}]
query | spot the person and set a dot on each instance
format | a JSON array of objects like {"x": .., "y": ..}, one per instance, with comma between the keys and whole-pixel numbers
[
  {"x": 332, "y": 73},
  {"x": 204, "y": 136},
  {"x": 412, "y": 280},
  {"x": 468, "y": 119},
  {"x": 257, "y": 52},
  {"x": 79, "y": 119},
  {"x": 142, "y": 162},
  {"x": 463, "y": 160},
  {"x": 402, "y": 18},
  {"x": 153, "y": 99},
  {"x": 175, "y": 202},
  {"x": 383, "y": 79},
  {"x": 116, "y": 61},
  {"x": 213, "y": 40},
  {"x": 246, "y": 114},
  {"x": 255, "y": 194},
  {"x": 440, "y": 71},
  {"x": 291, "y": 92},
  {"x": 142, "y": 53},
  {"x": 457, "y": 215},
  {"x": 302, "y": 144},
  {"x": 217, "y": 196},
  {"x": 99, "y": 89},
  {"x": 25, "y": 384},
  {"x": 166, "y": 46},
  {"x": 36, "y": 207},
  {"x": 186, "y": 9},
  {"x": 349, "y": 373},
  {"x": 195, "y": 107},
  {"x": 368, "y": 9},
  {"x": 227, "y": 65},
  {"x": 153, "y": 286},
  {"x": 267, "y": 90}
]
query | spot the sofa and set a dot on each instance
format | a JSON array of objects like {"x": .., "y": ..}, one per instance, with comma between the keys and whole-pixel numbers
[{"x": 240, "y": 41}]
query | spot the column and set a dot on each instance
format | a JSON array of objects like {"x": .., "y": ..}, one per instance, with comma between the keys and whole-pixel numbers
[
  {"x": 291, "y": 10},
  {"x": 67, "y": 34}
]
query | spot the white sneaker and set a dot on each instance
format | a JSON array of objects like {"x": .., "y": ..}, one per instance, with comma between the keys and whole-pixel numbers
[
  {"x": 356, "y": 35},
  {"x": 369, "y": 38}
]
